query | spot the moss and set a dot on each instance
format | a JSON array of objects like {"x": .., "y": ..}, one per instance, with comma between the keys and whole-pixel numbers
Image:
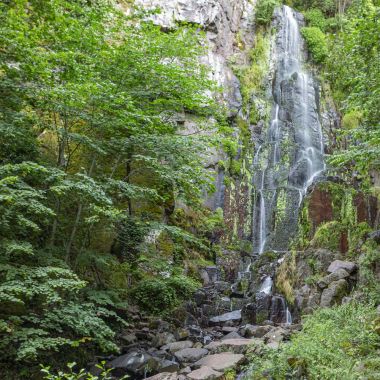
[
  {"x": 286, "y": 277},
  {"x": 235, "y": 168},
  {"x": 251, "y": 77},
  {"x": 328, "y": 236}
]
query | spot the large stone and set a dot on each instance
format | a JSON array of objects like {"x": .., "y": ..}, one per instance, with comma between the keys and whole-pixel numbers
[
  {"x": 133, "y": 362},
  {"x": 221, "y": 362},
  {"x": 250, "y": 331},
  {"x": 168, "y": 366},
  {"x": 276, "y": 335},
  {"x": 163, "y": 376},
  {"x": 190, "y": 355},
  {"x": 204, "y": 373},
  {"x": 176, "y": 346},
  {"x": 237, "y": 346},
  {"x": 163, "y": 338},
  {"x": 233, "y": 316},
  {"x": 232, "y": 335},
  {"x": 334, "y": 276},
  {"x": 339, "y": 264},
  {"x": 334, "y": 293}
]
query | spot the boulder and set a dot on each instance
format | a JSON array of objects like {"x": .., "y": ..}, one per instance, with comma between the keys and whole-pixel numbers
[
  {"x": 168, "y": 366},
  {"x": 233, "y": 316},
  {"x": 163, "y": 376},
  {"x": 204, "y": 373},
  {"x": 339, "y": 264},
  {"x": 221, "y": 362},
  {"x": 190, "y": 355},
  {"x": 176, "y": 346},
  {"x": 229, "y": 329},
  {"x": 181, "y": 334},
  {"x": 334, "y": 293},
  {"x": 232, "y": 335},
  {"x": 129, "y": 338},
  {"x": 250, "y": 331},
  {"x": 133, "y": 362},
  {"x": 334, "y": 276},
  {"x": 163, "y": 338},
  {"x": 237, "y": 346},
  {"x": 276, "y": 335}
]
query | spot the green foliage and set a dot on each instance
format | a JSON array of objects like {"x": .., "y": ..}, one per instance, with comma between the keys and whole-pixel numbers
[
  {"x": 316, "y": 43},
  {"x": 160, "y": 296},
  {"x": 335, "y": 343},
  {"x": 105, "y": 374},
  {"x": 252, "y": 77},
  {"x": 315, "y": 18},
  {"x": 355, "y": 75},
  {"x": 368, "y": 262},
  {"x": 264, "y": 11}
]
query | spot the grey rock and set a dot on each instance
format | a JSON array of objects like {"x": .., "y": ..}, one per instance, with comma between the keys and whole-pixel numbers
[
  {"x": 134, "y": 362},
  {"x": 255, "y": 331},
  {"x": 163, "y": 338},
  {"x": 334, "y": 276},
  {"x": 334, "y": 293},
  {"x": 129, "y": 338},
  {"x": 237, "y": 346},
  {"x": 232, "y": 335},
  {"x": 176, "y": 346},
  {"x": 168, "y": 366},
  {"x": 181, "y": 334},
  {"x": 190, "y": 355},
  {"x": 339, "y": 264},
  {"x": 204, "y": 373},
  {"x": 233, "y": 316},
  {"x": 221, "y": 362},
  {"x": 163, "y": 376}
]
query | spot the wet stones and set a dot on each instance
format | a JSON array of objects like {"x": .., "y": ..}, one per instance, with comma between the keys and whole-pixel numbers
[{"x": 233, "y": 316}]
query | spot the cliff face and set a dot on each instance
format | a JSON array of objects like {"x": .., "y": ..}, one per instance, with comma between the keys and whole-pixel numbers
[{"x": 228, "y": 26}]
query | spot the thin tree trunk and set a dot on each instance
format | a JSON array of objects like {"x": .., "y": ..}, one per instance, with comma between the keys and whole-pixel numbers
[{"x": 77, "y": 219}]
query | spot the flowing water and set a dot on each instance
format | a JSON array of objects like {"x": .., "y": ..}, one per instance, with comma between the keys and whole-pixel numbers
[{"x": 290, "y": 157}]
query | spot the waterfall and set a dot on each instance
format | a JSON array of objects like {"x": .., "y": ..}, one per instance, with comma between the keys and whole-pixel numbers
[
  {"x": 290, "y": 157},
  {"x": 266, "y": 286}
]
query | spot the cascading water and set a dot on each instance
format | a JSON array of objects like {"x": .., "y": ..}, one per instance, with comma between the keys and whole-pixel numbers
[{"x": 290, "y": 157}]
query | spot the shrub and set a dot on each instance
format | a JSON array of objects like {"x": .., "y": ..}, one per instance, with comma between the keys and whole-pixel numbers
[
  {"x": 158, "y": 296},
  {"x": 316, "y": 43},
  {"x": 183, "y": 286},
  {"x": 155, "y": 296},
  {"x": 264, "y": 11},
  {"x": 336, "y": 343},
  {"x": 315, "y": 18}
]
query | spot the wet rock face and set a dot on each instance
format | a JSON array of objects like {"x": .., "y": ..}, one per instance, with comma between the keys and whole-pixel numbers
[{"x": 291, "y": 155}]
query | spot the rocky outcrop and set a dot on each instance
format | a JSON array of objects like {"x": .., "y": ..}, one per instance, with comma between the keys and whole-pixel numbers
[
  {"x": 334, "y": 293},
  {"x": 339, "y": 264}
]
